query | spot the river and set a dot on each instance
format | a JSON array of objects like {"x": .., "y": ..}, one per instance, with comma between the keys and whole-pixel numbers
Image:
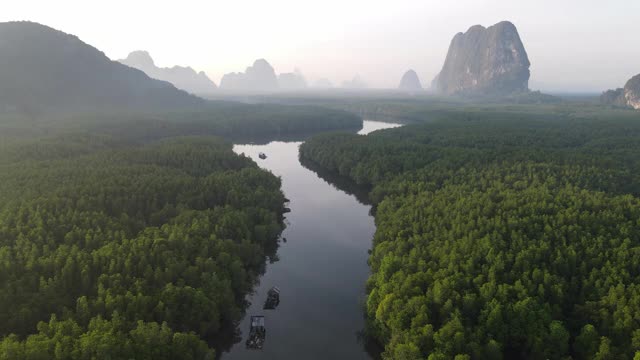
[{"x": 322, "y": 266}]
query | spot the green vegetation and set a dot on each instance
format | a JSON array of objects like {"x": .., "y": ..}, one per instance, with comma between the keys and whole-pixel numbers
[
  {"x": 111, "y": 249},
  {"x": 501, "y": 237},
  {"x": 398, "y": 107},
  {"x": 236, "y": 121},
  {"x": 123, "y": 237}
]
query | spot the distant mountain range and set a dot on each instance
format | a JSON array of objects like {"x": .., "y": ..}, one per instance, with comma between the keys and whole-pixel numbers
[
  {"x": 42, "y": 69},
  {"x": 261, "y": 77},
  {"x": 292, "y": 81},
  {"x": 184, "y": 78},
  {"x": 45, "y": 69},
  {"x": 258, "y": 77}
]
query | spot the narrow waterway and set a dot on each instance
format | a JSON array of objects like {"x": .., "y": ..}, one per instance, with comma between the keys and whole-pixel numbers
[{"x": 322, "y": 266}]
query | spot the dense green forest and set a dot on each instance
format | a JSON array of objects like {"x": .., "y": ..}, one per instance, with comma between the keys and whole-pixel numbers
[
  {"x": 242, "y": 122},
  {"x": 501, "y": 237},
  {"x": 114, "y": 250},
  {"x": 123, "y": 237}
]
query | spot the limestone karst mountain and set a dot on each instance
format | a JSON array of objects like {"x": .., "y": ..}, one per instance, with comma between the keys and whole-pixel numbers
[
  {"x": 632, "y": 92},
  {"x": 485, "y": 61},
  {"x": 614, "y": 97},
  {"x": 45, "y": 69},
  {"x": 292, "y": 81},
  {"x": 258, "y": 77},
  {"x": 410, "y": 81},
  {"x": 184, "y": 78},
  {"x": 629, "y": 96}
]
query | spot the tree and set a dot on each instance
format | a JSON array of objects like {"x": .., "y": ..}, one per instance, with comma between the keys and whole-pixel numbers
[{"x": 587, "y": 343}]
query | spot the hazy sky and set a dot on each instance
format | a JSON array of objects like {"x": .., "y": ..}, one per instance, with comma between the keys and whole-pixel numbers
[{"x": 586, "y": 45}]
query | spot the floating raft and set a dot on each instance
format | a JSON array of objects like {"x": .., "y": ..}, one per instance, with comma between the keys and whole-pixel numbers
[
  {"x": 273, "y": 299},
  {"x": 257, "y": 333}
]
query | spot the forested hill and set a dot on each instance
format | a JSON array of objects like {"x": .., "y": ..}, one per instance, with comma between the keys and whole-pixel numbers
[
  {"x": 500, "y": 239},
  {"x": 124, "y": 251},
  {"x": 44, "y": 70}
]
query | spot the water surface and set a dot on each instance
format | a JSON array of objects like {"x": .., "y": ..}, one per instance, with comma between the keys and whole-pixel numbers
[{"x": 322, "y": 267}]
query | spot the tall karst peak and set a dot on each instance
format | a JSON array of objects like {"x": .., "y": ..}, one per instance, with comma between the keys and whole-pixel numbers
[
  {"x": 632, "y": 92},
  {"x": 410, "y": 81},
  {"x": 485, "y": 61}
]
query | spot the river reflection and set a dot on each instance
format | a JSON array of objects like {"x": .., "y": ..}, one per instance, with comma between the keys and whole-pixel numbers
[{"x": 322, "y": 267}]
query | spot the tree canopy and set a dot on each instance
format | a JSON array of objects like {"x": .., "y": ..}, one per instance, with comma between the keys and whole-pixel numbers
[
  {"x": 500, "y": 239},
  {"x": 115, "y": 250}
]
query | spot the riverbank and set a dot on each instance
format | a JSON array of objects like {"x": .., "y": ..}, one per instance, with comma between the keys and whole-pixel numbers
[{"x": 321, "y": 269}]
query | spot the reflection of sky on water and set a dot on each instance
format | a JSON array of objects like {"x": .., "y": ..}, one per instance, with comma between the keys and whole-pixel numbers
[{"x": 322, "y": 268}]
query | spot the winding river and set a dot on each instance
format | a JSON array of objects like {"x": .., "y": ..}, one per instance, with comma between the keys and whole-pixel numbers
[{"x": 321, "y": 268}]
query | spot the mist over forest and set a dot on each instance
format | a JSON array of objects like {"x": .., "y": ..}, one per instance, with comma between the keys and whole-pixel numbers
[{"x": 453, "y": 210}]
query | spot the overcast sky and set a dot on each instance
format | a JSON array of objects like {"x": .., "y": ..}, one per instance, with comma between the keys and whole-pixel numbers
[{"x": 576, "y": 45}]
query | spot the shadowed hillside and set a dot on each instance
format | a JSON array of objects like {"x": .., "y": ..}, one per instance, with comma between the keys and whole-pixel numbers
[{"x": 43, "y": 69}]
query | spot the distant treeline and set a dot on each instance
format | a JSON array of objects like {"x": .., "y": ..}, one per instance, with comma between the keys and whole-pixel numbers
[
  {"x": 226, "y": 119},
  {"x": 401, "y": 108},
  {"x": 501, "y": 238}
]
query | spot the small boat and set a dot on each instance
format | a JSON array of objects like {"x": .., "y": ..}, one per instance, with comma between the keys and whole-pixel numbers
[
  {"x": 262, "y": 156},
  {"x": 257, "y": 333},
  {"x": 273, "y": 299}
]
